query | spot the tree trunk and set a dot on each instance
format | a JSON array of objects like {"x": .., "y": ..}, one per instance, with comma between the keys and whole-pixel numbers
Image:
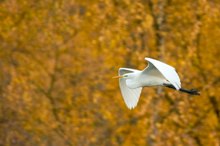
[{"x": 157, "y": 12}]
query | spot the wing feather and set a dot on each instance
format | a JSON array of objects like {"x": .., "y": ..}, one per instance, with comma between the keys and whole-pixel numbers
[
  {"x": 130, "y": 96},
  {"x": 167, "y": 71}
]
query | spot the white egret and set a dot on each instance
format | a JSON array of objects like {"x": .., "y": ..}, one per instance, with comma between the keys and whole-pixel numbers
[{"x": 131, "y": 81}]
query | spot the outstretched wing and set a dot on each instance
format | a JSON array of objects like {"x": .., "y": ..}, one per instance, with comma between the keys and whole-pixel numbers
[
  {"x": 130, "y": 96},
  {"x": 167, "y": 71}
]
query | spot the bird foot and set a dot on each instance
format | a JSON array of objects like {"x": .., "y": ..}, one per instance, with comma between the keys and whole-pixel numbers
[{"x": 194, "y": 92}]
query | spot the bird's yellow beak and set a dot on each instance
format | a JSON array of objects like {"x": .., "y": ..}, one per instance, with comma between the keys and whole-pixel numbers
[{"x": 117, "y": 77}]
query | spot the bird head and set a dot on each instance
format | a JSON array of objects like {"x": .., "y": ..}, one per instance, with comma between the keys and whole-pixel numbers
[{"x": 126, "y": 76}]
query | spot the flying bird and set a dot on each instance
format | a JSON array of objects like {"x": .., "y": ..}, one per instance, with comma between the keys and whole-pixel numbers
[{"x": 157, "y": 73}]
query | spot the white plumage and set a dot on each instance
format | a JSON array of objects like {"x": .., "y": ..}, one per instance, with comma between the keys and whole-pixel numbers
[
  {"x": 156, "y": 73},
  {"x": 130, "y": 96}
]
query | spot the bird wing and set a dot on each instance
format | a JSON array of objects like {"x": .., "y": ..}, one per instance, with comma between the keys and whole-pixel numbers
[
  {"x": 130, "y": 96},
  {"x": 166, "y": 70}
]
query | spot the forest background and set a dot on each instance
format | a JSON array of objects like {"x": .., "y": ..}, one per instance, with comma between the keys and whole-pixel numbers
[{"x": 57, "y": 59}]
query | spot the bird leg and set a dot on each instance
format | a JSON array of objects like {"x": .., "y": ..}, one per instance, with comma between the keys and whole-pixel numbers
[{"x": 189, "y": 91}]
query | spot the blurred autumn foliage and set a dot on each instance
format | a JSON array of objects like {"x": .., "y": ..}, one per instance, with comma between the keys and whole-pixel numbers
[{"x": 57, "y": 59}]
